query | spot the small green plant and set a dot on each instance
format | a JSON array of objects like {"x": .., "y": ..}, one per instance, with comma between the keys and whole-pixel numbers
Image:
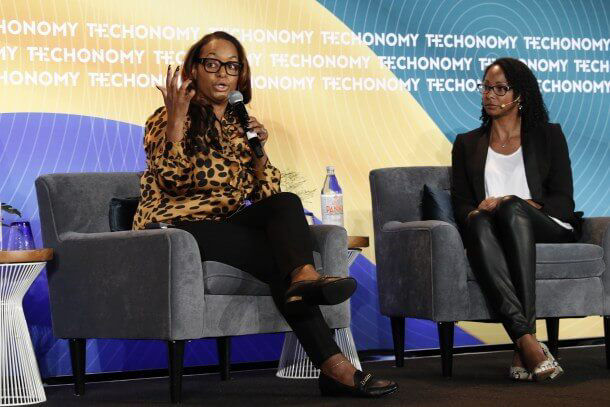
[
  {"x": 4, "y": 207},
  {"x": 294, "y": 182}
]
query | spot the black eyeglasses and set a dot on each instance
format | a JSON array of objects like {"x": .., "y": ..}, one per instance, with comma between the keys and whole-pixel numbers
[
  {"x": 213, "y": 65},
  {"x": 499, "y": 90}
]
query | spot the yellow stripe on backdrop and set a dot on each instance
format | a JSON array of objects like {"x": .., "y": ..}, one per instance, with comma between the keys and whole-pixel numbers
[
  {"x": 355, "y": 131},
  {"x": 573, "y": 328}
]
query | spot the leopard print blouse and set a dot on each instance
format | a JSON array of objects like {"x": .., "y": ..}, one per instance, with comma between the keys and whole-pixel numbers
[{"x": 202, "y": 186}]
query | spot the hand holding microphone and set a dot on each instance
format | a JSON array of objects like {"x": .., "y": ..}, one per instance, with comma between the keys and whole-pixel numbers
[{"x": 252, "y": 128}]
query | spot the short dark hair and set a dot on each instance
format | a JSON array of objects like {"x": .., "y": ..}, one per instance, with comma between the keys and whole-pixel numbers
[{"x": 521, "y": 79}]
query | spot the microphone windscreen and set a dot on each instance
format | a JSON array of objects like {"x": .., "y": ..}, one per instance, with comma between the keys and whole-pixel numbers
[{"x": 235, "y": 96}]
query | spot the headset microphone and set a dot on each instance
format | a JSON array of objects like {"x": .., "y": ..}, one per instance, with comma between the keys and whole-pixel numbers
[{"x": 503, "y": 105}]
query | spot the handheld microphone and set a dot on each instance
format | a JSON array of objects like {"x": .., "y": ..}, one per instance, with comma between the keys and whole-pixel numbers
[
  {"x": 236, "y": 99},
  {"x": 503, "y": 105}
]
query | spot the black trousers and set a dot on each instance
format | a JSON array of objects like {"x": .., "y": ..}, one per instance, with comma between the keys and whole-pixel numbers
[
  {"x": 269, "y": 239},
  {"x": 501, "y": 247}
]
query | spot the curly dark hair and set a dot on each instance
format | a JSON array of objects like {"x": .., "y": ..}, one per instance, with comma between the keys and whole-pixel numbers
[{"x": 521, "y": 79}]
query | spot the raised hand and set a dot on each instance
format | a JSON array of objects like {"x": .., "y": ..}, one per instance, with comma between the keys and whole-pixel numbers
[{"x": 177, "y": 100}]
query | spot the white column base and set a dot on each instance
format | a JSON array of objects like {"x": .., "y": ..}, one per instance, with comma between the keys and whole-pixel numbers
[{"x": 20, "y": 382}]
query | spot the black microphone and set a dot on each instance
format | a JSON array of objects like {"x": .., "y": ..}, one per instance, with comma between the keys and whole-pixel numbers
[
  {"x": 503, "y": 105},
  {"x": 236, "y": 100}
]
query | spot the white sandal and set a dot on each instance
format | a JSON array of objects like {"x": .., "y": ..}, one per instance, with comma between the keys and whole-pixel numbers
[
  {"x": 520, "y": 374},
  {"x": 558, "y": 369}
]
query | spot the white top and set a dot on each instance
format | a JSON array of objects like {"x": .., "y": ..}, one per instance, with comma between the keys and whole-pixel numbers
[{"x": 505, "y": 175}]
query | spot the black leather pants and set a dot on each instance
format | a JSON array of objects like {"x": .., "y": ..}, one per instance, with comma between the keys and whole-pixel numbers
[{"x": 501, "y": 247}]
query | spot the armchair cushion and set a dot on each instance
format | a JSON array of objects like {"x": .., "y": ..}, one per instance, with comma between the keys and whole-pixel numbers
[
  {"x": 223, "y": 279},
  {"x": 436, "y": 205},
  {"x": 565, "y": 261}
]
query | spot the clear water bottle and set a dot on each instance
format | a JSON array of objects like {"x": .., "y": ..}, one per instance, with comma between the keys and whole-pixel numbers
[{"x": 332, "y": 199}]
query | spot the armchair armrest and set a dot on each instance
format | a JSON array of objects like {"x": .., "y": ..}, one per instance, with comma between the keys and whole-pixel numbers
[
  {"x": 331, "y": 242},
  {"x": 597, "y": 231},
  {"x": 421, "y": 270},
  {"x": 132, "y": 284}
]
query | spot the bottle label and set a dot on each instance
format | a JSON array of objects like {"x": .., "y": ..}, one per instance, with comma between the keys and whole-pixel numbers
[{"x": 332, "y": 209}]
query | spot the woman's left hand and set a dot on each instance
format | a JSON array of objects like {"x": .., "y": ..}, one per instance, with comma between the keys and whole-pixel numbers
[
  {"x": 259, "y": 129},
  {"x": 489, "y": 204}
]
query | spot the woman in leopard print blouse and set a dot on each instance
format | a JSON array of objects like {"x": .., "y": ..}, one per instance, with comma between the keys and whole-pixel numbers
[{"x": 202, "y": 177}]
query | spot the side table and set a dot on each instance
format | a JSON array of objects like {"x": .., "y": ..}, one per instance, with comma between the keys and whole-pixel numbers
[
  {"x": 294, "y": 362},
  {"x": 20, "y": 381}
]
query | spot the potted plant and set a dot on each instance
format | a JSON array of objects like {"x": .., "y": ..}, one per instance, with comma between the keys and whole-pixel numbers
[
  {"x": 294, "y": 182},
  {"x": 8, "y": 209}
]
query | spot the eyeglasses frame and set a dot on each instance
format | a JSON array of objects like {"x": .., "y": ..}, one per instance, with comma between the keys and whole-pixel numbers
[
  {"x": 225, "y": 64},
  {"x": 483, "y": 88}
]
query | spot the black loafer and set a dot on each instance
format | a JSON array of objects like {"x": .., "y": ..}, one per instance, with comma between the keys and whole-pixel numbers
[
  {"x": 365, "y": 386},
  {"x": 325, "y": 290}
]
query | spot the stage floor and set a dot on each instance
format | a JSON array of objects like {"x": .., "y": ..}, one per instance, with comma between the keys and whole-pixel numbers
[{"x": 478, "y": 380}]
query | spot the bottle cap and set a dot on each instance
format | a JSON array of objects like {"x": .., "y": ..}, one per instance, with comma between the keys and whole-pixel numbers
[{"x": 330, "y": 169}]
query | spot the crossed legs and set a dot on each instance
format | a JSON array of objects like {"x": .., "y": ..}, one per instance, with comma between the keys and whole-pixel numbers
[{"x": 501, "y": 247}]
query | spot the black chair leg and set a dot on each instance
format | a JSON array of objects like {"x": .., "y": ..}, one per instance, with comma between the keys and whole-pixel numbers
[
  {"x": 78, "y": 351},
  {"x": 607, "y": 339},
  {"x": 176, "y": 363},
  {"x": 445, "y": 338},
  {"x": 398, "y": 336},
  {"x": 224, "y": 356},
  {"x": 552, "y": 332}
]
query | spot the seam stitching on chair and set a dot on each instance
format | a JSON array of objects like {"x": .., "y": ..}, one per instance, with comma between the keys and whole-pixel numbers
[
  {"x": 235, "y": 277},
  {"x": 569, "y": 278},
  {"x": 51, "y": 209},
  {"x": 429, "y": 232},
  {"x": 169, "y": 292},
  {"x": 568, "y": 261}
]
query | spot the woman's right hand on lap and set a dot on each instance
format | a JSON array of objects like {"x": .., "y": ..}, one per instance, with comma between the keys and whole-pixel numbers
[
  {"x": 489, "y": 204},
  {"x": 177, "y": 100}
]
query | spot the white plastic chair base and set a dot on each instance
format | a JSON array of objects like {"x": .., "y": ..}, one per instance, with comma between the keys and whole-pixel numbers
[
  {"x": 295, "y": 364},
  {"x": 20, "y": 382}
]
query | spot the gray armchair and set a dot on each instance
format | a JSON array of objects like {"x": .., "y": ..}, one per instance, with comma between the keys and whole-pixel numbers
[
  {"x": 152, "y": 284},
  {"x": 423, "y": 272}
]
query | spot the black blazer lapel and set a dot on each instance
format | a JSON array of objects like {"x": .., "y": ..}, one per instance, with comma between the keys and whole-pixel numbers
[
  {"x": 532, "y": 172},
  {"x": 480, "y": 157}
]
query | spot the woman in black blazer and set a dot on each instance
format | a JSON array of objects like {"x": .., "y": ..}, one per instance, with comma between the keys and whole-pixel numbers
[{"x": 512, "y": 188}]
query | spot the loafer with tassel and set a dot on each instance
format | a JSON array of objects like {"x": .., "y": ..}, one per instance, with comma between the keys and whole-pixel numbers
[{"x": 365, "y": 385}]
